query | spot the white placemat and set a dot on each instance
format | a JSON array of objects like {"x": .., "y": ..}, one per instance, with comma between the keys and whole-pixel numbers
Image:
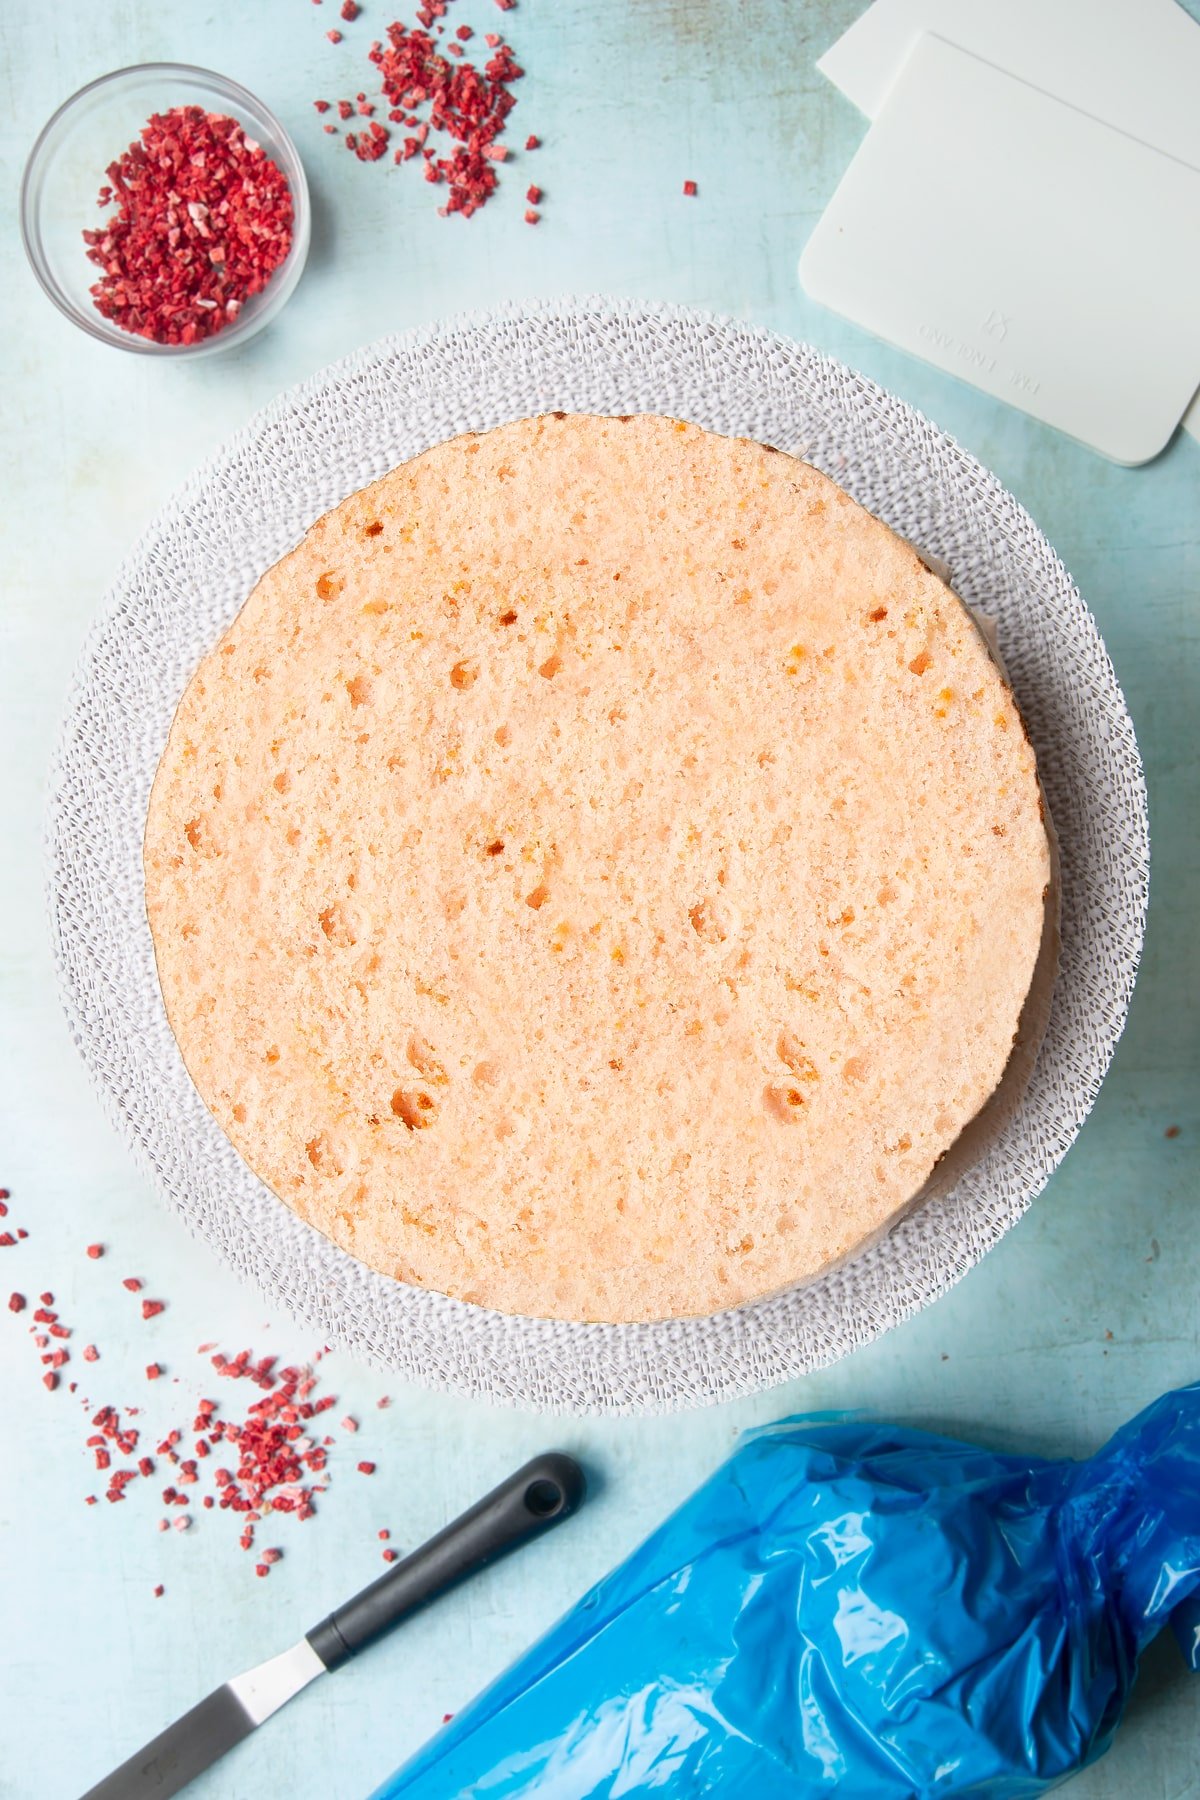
[{"x": 191, "y": 571}]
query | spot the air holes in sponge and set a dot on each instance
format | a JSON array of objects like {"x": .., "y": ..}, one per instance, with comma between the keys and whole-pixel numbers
[
  {"x": 793, "y": 1056},
  {"x": 423, "y": 1058},
  {"x": 338, "y": 926},
  {"x": 707, "y": 922},
  {"x": 329, "y": 586},
  {"x": 323, "y": 1156},
  {"x": 414, "y": 1108},
  {"x": 464, "y": 675},
  {"x": 783, "y": 1103},
  {"x": 198, "y": 832}
]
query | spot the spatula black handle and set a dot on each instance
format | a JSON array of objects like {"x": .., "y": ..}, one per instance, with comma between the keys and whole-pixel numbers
[{"x": 546, "y": 1490}]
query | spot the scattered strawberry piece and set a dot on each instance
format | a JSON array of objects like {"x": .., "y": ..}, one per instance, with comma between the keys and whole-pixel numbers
[
  {"x": 532, "y": 216},
  {"x": 466, "y": 103},
  {"x": 366, "y": 1468},
  {"x": 90, "y": 1353},
  {"x": 95, "y": 1251},
  {"x": 50, "y": 1380},
  {"x": 350, "y": 10},
  {"x": 261, "y": 1569},
  {"x": 183, "y": 1522},
  {"x": 532, "y": 143},
  {"x": 349, "y": 1424},
  {"x": 153, "y": 1371},
  {"x": 689, "y": 188},
  {"x": 533, "y": 195},
  {"x": 389, "y": 1556},
  {"x": 46, "y": 1299},
  {"x": 7, "y": 1240},
  {"x": 322, "y": 106},
  {"x": 384, "y": 1535},
  {"x": 16, "y": 1303},
  {"x": 152, "y": 1308},
  {"x": 335, "y": 37},
  {"x": 132, "y": 1283},
  {"x": 384, "y": 1400},
  {"x": 159, "y": 1590}
]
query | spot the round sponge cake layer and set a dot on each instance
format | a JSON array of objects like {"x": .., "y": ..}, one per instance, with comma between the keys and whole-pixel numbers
[{"x": 599, "y": 872}]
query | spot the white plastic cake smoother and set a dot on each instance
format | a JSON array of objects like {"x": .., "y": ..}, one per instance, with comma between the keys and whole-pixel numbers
[
  {"x": 1011, "y": 239},
  {"x": 1135, "y": 64}
]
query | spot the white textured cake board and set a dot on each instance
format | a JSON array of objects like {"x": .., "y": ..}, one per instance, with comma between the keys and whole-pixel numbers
[{"x": 191, "y": 571}]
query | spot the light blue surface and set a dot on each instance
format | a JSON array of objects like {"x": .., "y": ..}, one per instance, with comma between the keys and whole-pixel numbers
[{"x": 1087, "y": 1310}]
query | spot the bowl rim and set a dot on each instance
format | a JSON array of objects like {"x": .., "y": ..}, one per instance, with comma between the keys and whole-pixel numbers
[{"x": 301, "y": 210}]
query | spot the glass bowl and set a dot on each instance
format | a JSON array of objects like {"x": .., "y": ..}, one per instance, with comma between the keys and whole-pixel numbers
[{"x": 66, "y": 170}]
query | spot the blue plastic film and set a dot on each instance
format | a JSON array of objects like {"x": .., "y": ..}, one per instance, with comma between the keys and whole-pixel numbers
[{"x": 854, "y": 1607}]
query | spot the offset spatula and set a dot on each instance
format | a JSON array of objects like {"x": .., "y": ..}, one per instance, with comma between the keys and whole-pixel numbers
[{"x": 546, "y": 1490}]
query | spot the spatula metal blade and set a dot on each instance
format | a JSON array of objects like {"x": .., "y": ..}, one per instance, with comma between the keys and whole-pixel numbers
[{"x": 195, "y": 1741}]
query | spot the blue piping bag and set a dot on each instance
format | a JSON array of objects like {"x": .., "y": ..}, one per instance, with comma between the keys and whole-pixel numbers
[{"x": 859, "y": 1609}]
